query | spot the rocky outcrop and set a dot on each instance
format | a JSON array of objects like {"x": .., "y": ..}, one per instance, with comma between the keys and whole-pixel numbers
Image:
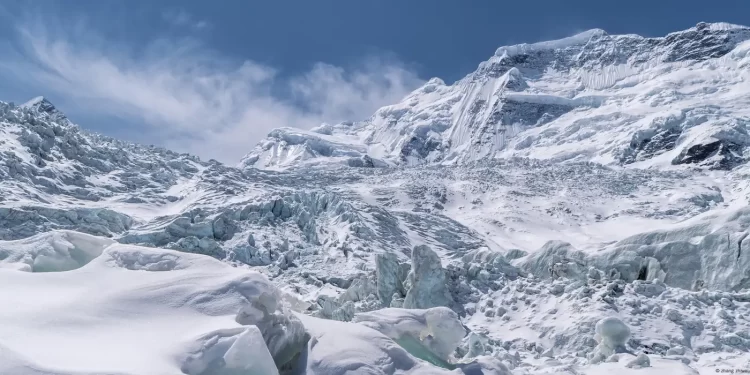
[{"x": 714, "y": 154}]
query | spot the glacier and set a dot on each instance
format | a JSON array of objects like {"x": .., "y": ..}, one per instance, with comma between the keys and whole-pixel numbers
[{"x": 577, "y": 206}]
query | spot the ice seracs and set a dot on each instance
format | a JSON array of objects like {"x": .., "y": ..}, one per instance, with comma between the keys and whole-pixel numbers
[
  {"x": 426, "y": 282},
  {"x": 706, "y": 251},
  {"x": 589, "y": 97},
  {"x": 520, "y": 220}
]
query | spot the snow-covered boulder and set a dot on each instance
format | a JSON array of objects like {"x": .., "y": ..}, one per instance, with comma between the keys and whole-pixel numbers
[
  {"x": 343, "y": 348},
  {"x": 338, "y": 348},
  {"x": 639, "y": 361},
  {"x": 611, "y": 334},
  {"x": 154, "y": 310}
]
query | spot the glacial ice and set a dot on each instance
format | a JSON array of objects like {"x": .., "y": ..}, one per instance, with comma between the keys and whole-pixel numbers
[
  {"x": 52, "y": 251},
  {"x": 21, "y": 222},
  {"x": 248, "y": 355},
  {"x": 340, "y": 348},
  {"x": 438, "y": 330},
  {"x": 427, "y": 284}
]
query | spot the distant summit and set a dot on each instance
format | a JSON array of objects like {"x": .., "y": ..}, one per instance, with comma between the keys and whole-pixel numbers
[
  {"x": 43, "y": 106},
  {"x": 617, "y": 100},
  {"x": 40, "y": 103}
]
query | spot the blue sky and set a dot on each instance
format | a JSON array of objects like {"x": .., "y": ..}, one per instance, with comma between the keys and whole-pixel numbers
[{"x": 212, "y": 78}]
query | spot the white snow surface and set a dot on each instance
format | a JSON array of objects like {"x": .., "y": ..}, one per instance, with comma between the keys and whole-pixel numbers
[
  {"x": 138, "y": 310},
  {"x": 130, "y": 310},
  {"x": 597, "y": 178},
  {"x": 590, "y": 97}
]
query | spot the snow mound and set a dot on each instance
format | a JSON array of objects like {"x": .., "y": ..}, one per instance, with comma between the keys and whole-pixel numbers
[
  {"x": 13, "y": 363},
  {"x": 196, "y": 315},
  {"x": 231, "y": 352},
  {"x": 135, "y": 321},
  {"x": 435, "y": 332},
  {"x": 344, "y": 348},
  {"x": 705, "y": 252},
  {"x": 287, "y": 147},
  {"x": 658, "y": 366},
  {"x": 52, "y": 251},
  {"x": 427, "y": 281}
]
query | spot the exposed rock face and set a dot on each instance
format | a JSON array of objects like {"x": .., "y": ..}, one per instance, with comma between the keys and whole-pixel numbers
[
  {"x": 437, "y": 330},
  {"x": 715, "y": 154},
  {"x": 283, "y": 333},
  {"x": 427, "y": 281}
]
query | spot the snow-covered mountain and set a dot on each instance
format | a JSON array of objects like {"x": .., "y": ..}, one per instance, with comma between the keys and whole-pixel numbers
[
  {"x": 577, "y": 206},
  {"x": 610, "y": 99}
]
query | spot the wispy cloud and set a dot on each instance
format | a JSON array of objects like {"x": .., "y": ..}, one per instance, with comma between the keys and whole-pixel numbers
[
  {"x": 192, "y": 99},
  {"x": 181, "y": 18}
]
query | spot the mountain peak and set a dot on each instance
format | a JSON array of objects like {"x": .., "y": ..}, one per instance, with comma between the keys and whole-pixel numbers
[
  {"x": 577, "y": 39},
  {"x": 546, "y": 100},
  {"x": 42, "y": 105},
  {"x": 39, "y": 100}
]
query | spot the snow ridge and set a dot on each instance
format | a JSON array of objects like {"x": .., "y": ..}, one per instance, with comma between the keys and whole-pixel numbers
[{"x": 582, "y": 98}]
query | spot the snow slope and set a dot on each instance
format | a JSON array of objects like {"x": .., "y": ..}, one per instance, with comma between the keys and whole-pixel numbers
[
  {"x": 610, "y": 99},
  {"x": 130, "y": 310},
  {"x": 137, "y": 310},
  {"x": 562, "y": 183}
]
